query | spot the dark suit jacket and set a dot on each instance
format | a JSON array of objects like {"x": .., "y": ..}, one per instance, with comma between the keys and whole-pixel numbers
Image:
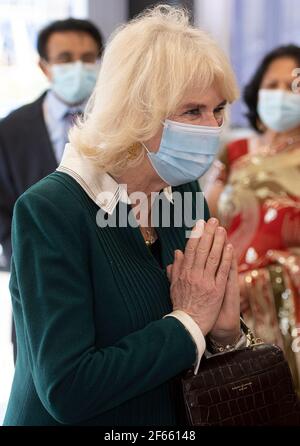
[{"x": 26, "y": 156}]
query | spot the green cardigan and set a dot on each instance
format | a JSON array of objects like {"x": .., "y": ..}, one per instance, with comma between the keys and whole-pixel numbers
[{"x": 88, "y": 304}]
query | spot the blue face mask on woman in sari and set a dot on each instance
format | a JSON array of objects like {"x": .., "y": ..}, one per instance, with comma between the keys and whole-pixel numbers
[{"x": 279, "y": 110}]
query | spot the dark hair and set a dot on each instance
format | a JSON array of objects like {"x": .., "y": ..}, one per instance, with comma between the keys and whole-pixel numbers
[
  {"x": 84, "y": 26},
  {"x": 251, "y": 90}
]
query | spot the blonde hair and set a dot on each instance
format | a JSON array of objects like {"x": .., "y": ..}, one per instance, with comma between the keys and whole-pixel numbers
[{"x": 147, "y": 67}]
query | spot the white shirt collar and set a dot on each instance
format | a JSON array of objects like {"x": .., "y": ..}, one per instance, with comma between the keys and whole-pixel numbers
[{"x": 100, "y": 187}]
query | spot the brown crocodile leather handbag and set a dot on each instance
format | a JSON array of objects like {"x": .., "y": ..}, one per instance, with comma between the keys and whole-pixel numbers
[{"x": 248, "y": 387}]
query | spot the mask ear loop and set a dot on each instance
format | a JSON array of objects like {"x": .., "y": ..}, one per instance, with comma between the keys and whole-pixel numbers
[
  {"x": 144, "y": 145},
  {"x": 147, "y": 150}
]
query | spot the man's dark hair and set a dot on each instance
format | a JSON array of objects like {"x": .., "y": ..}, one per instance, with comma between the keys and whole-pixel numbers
[
  {"x": 77, "y": 25},
  {"x": 251, "y": 90}
]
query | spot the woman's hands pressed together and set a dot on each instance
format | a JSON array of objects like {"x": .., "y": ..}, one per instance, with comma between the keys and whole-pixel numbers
[{"x": 204, "y": 282}]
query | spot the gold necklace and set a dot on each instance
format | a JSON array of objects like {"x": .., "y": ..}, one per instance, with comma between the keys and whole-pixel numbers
[
  {"x": 150, "y": 236},
  {"x": 273, "y": 149}
]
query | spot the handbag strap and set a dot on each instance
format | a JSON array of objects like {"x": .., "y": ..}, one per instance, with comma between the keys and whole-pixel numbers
[{"x": 252, "y": 339}]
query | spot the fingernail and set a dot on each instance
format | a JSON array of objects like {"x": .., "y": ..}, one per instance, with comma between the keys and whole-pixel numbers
[
  {"x": 198, "y": 229},
  {"x": 177, "y": 253},
  {"x": 229, "y": 247},
  {"x": 213, "y": 221}
]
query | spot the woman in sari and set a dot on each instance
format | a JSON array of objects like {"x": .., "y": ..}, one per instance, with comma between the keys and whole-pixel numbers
[{"x": 257, "y": 198}]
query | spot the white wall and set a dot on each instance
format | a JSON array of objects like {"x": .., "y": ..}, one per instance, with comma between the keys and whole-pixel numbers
[
  {"x": 108, "y": 14},
  {"x": 6, "y": 356},
  {"x": 214, "y": 16}
]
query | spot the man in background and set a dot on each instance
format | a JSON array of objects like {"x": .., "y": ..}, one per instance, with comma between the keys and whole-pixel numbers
[{"x": 33, "y": 137}]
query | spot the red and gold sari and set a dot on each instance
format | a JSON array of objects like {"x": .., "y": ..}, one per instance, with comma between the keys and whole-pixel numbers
[{"x": 260, "y": 207}]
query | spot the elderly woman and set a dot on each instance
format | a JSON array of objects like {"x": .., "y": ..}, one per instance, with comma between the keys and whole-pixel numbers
[{"x": 107, "y": 315}]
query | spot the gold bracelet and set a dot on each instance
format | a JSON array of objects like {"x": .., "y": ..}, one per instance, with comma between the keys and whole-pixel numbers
[
  {"x": 250, "y": 340},
  {"x": 215, "y": 347}
]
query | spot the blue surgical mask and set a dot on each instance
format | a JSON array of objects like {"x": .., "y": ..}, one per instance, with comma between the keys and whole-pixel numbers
[
  {"x": 185, "y": 153},
  {"x": 279, "y": 110},
  {"x": 74, "y": 82}
]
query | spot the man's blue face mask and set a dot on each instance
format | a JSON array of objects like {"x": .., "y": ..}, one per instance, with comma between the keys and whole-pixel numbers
[
  {"x": 279, "y": 110},
  {"x": 185, "y": 153},
  {"x": 74, "y": 82}
]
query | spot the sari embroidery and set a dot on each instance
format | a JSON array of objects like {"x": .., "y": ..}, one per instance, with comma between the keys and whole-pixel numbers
[{"x": 260, "y": 207}]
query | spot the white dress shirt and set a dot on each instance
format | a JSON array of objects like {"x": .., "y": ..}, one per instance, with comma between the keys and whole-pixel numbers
[{"x": 55, "y": 115}]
